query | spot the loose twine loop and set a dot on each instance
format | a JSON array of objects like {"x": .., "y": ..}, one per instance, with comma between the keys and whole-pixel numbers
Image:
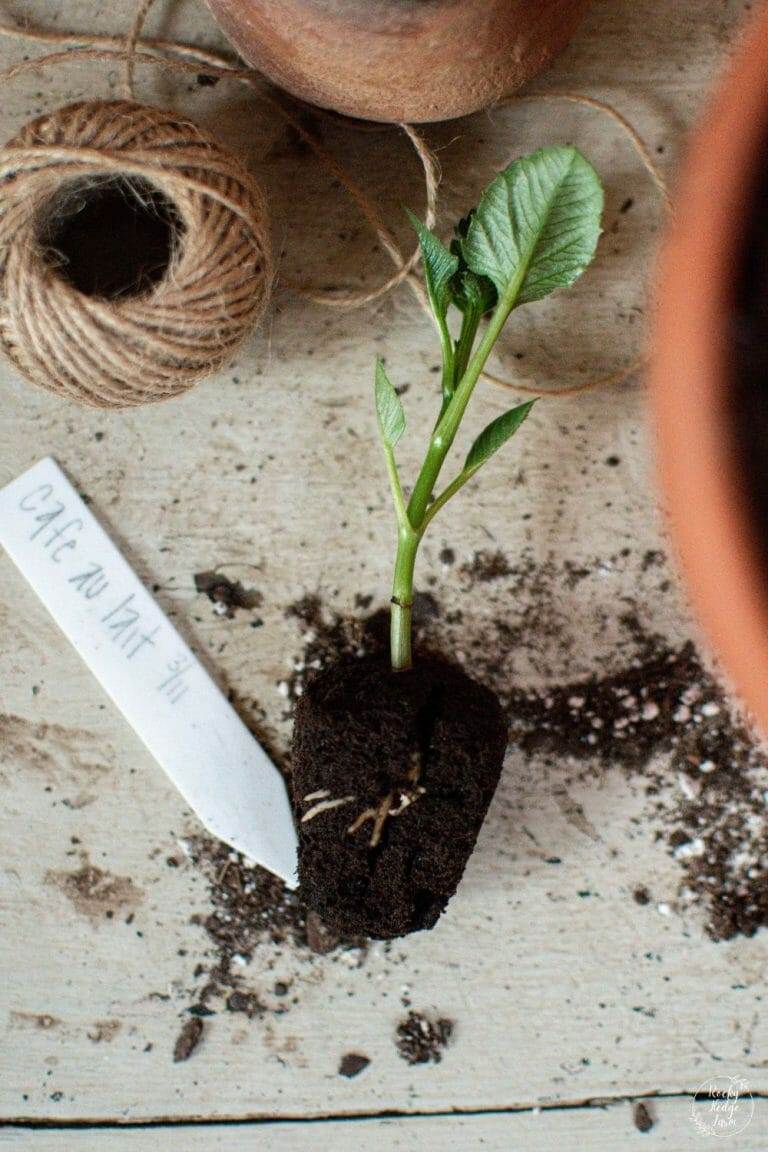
[{"x": 191, "y": 344}]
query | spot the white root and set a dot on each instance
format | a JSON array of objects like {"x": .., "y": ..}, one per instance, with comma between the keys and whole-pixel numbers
[
  {"x": 406, "y": 799},
  {"x": 326, "y": 806},
  {"x": 368, "y": 814},
  {"x": 381, "y": 814}
]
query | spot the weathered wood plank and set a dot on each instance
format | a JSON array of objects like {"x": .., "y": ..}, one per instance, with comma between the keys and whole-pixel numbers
[{"x": 561, "y": 986}]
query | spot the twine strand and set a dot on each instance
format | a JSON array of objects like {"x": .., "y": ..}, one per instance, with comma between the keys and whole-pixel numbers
[
  {"x": 131, "y": 40},
  {"x": 637, "y": 363},
  {"x": 203, "y": 56}
]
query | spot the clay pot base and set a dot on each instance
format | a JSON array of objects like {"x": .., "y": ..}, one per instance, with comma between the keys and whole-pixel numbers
[
  {"x": 392, "y": 777},
  {"x": 399, "y": 60}
]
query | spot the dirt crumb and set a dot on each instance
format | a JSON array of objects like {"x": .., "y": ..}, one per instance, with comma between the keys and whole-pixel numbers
[
  {"x": 320, "y": 937},
  {"x": 352, "y": 1064},
  {"x": 421, "y": 1039},
  {"x": 643, "y": 1119},
  {"x": 227, "y": 595},
  {"x": 246, "y": 1002},
  {"x": 188, "y": 1039}
]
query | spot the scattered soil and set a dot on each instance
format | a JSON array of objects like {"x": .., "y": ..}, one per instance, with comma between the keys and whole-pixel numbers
[
  {"x": 421, "y": 1039},
  {"x": 352, "y": 1064},
  {"x": 250, "y": 906},
  {"x": 320, "y": 938},
  {"x": 227, "y": 595},
  {"x": 327, "y": 637},
  {"x": 487, "y": 566},
  {"x": 421, "y": 752},
  {"x": 641, "y": 1114},
  {"x": 666, "y": 705},
  {"x": 188, "y": 1039},
  {"x": 657, "y": 713}
]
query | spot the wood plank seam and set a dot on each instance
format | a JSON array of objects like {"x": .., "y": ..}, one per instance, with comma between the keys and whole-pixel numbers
[{"x": 595, "y": 1104}]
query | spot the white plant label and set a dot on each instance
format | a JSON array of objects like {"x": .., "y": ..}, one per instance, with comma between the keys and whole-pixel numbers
[{"x": 154, "y": 679}]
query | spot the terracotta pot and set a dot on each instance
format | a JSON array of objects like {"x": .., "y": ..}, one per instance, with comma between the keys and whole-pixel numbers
[
  {"x": 399, "y": 60},
  {"x": 693, "y": 378}
]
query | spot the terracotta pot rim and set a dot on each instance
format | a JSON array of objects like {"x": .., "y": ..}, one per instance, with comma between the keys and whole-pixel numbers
[{"x": 691, "y": 373}]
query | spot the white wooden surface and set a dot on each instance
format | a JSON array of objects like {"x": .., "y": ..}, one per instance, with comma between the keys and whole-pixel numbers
[{"x": 272, "y": 471}]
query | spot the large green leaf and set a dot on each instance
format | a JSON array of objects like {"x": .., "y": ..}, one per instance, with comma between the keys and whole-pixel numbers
[
  {"x": 440, "y": 265},
  {"x": 388, "y": 408},
  {"x": 537, "y": 225},
  {"x": 495, "y": 434}
]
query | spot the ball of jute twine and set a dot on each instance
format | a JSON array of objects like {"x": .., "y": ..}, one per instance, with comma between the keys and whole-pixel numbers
[
  {"x": 184, "y": 58},
  {"x": 138, "y": 347}
]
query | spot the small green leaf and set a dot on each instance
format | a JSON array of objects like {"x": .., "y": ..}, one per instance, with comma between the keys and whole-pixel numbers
[
  {"x": 440, "y": 266},
  {"x": 388, "y": 408},
  {"x": 537, "y": 225},
  {"x": 473, "y": 293},
  {"x": 496, "y": 434},
  {"x": 470, "y": 291}
]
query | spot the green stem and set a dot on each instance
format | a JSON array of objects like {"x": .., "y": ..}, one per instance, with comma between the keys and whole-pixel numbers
[
  {"x": 449, "y": 371},
  {"x": 446, "y": 495},
  {"x": 411, "y": 528},
  {"x": 402, "y": 599},
  {"x": 396, "y": 488},
  {"x": 456, "y": 356},
  {"x": 469, "y": 325},
  {"x": 448, "y": 425}
]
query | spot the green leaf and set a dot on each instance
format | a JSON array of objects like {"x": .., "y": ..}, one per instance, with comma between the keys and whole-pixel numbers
[
  {"x": 440, "y": 266},
  {"x": 497, "y": 433},
  {"x": 537, "y": 225},
  {"x": 388, "y": 408}
]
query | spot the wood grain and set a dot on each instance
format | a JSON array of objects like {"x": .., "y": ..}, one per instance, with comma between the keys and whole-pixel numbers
[{"x": 563, "y": 989}]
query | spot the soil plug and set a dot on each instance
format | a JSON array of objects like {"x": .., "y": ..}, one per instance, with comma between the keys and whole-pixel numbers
[{"x": 396, "y": 761}]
